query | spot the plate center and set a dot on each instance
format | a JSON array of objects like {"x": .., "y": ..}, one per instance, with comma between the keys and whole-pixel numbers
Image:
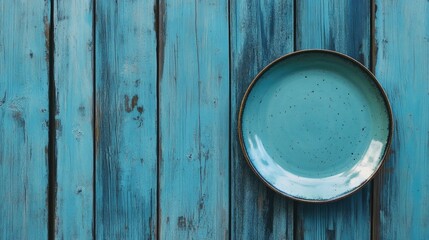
[{"x": 316, "y": 122}]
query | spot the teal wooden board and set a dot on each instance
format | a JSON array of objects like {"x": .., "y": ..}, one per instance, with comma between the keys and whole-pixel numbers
[
  {"x": 261, "y": 31},
  {"x": 402, "y": 50},
  {"x": 73, "y": 74},
  {"x": 24, "y": 116},
  {"x": 121, "y": 67},
  {"x": 126, "y": 120},
  {"x": 343, "y": 26},
  {"x": 194, "y": 119}
]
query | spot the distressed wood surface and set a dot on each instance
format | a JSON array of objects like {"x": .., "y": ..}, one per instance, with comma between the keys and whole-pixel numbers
[
  {"x": 261, "y": 31},
  {"x": 194, "y": 119},
  {"x": 126, "y": 120},
  {"x": 121, "y": 67},
  {"x": 73, "y": 74},
  {"x": 402, "y": 60},
  {"x": 342, "y": 26},
  {"x": 24, "y": 116}
]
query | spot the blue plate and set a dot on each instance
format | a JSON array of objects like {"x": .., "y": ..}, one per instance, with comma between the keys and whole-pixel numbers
[{"x": 315, "y": 125}]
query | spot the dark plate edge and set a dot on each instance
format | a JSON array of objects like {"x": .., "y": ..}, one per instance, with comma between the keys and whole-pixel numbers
[{"x": 375, "y": 81}]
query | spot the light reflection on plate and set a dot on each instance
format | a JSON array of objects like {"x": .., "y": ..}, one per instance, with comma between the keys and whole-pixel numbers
[{"x": 315, "y": 125}]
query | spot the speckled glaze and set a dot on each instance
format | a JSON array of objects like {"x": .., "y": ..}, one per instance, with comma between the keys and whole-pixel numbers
[{"x": 315, "y": 125}]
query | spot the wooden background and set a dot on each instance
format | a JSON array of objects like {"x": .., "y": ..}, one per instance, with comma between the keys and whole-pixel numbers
[{"x": 118, "y": 118}]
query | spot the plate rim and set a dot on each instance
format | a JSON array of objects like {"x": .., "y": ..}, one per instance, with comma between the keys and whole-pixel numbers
[{"x": 387, "y": 104}]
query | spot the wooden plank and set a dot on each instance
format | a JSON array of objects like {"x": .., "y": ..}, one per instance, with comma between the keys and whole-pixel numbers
[
  {"x": 74, "y": 115},
  {"x": 126, "y": 120},
  {"x": 261, "y": 31},
  {"x": 343, "y": 26},
  {"x": 194, "y": 119},
  {"x": 402, "y": 38},
  {"x": 24, "y": 116}
]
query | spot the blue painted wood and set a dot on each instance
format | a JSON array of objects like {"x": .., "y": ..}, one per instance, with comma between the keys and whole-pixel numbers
[
  {"x": 198, "y": 119},
  {"x": 194, "y": 119},
  {"x": 24, "y": 116},
  {"x": 126, "y": 120},
  {"x": 73, "y": 76},
  {"x": 402, "y": 50},
  {"x": 343, "y": 26},
  {"x": 261, "y": 31}
]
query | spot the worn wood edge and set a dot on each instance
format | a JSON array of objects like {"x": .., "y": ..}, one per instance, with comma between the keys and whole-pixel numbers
[
  {"x": 159, "y": 27},
  {"x": 94, "y": 119},
  {"x": 52, "y": 148},
  {"x": 295, "y": 24},
  {"x": 378, "y": 178},
  {"x": 298, "y": 231},
  {"x": 231, "y": 116},
  {"x": 375, "y": 193}
]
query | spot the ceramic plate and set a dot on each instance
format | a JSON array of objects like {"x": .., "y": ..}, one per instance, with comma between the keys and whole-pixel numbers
[{"x": 315, "y": 125}]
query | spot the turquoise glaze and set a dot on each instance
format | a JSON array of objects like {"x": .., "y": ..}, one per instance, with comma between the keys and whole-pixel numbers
[{"x": 315, "y": 125}]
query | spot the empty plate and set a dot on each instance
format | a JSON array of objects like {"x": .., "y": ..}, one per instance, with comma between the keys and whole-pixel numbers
[{"x": 315, "y": 125}]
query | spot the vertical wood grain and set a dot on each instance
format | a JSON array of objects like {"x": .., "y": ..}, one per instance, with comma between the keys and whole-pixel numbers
[
  {"x": 261, "y": 31},
  {"x": 126, "y": 120},
  {"x": 342, "y": 26},
  {"x": 73, "y": 74},
  {"x": 194, "y": 119},
  {"x": 24, "y": 116},
  {"x": 402, "y": 51}
]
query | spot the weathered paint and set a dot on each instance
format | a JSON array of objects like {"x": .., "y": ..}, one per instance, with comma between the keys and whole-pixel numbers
[
  {"x": 261, "y": 31},
  {"x": 126, "y": 120},
  {"x": 194, "y": 119},
  {"x": 192, "y": 49},
  {"x": 343, "y": 26},
  {"x": 402, "y": 51},
  {"x": 24, "y": 115},
  {"x": 73, "y": 75}
]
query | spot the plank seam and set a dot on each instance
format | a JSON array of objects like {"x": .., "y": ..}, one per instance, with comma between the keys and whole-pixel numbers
[
  {"x": 295, "y": 25},
  {"x": 295, "y": 233},
  {"x": 231, "y": 116},
  {"x": 52, "y": 160},
  {"x": 157, "y": 26},
  {"x": 375, "y": 196},
  {"x": 373, "y": 44},
  {"x": 94, "y": 121}
]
